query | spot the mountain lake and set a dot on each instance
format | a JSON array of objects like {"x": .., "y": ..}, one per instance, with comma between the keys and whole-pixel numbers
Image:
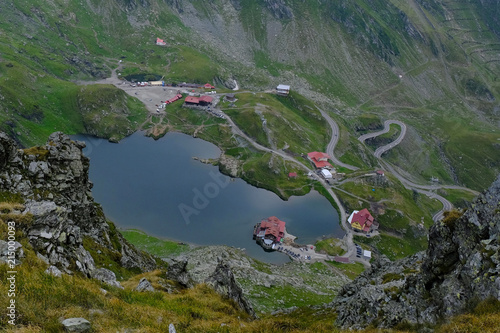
[{"x": 157, "y": 187}]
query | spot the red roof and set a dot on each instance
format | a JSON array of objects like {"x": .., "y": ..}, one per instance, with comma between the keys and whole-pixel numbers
[
  {"x": 364, "y": 218},
  {"x": 208, "y": 86},
  {"x": 320, "y": 160},
  {"x": 273, "y": 226},
  {"x": 206, "y": 99},
  {"x": 318, "y": 156},
  {"x": 292, "y": 174},
  {"x": 192, "y": 99},
  {"x": 322, "y": 164}
]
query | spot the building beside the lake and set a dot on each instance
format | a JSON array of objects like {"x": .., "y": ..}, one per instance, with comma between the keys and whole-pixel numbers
[
  {"x": 362, "y": 220},
  {"x": 269, "y": 232},
  {"x": 320, "y": 160}
]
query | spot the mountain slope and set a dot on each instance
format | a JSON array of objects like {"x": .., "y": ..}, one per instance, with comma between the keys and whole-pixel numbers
[
  {"x": 430, "y": 64},
  {"x": 460, "y": 269}
]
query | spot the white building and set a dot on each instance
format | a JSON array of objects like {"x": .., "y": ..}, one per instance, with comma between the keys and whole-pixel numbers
[
  {"x": 367, "y": 254},
  {"x": 283, "y": 89},
  {"x": 326, "y": 174}
]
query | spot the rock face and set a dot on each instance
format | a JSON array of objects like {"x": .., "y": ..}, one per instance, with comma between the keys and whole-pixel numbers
[
  {"x": 177, "y": 271},
  {"x": 460, "y": 268},
  {"x": 235, "y": 275},
  {"x": 53, "y": 182},
  {"x": 223, "y": 282}
]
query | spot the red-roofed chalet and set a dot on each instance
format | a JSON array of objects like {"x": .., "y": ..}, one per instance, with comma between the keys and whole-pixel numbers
[
  {"x": 362, "y": 220},
  {"x": 320, "y": 160},
  {"x": 192, "y": 100},
  {"x": 271, "y": 228}
]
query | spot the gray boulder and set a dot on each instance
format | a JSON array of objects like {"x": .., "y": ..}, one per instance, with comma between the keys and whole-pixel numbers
[
  {"x": 106, "y": 276},
  {"x": 144, "y": 285},
  {"x": 171, "y": 328},
  {"x": 177, "y": 271},
  {"x": 54, "y": 271},
  {"x": 76, "y": 325}
]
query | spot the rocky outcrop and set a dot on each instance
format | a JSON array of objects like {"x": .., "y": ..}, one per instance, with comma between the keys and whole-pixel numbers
[
  {"x": 177, "y": 271},
  {"x": 460, "y": 268},
  {"x": 230, "y": 270},
  {"x": 279, "y": 9},
  {"x": 223, "y": 282},
  {"x": 53, "y": 182}
]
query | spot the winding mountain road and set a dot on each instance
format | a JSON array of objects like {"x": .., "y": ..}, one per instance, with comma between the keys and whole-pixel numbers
[
  {"x": 387, "y": 126},
  {"x": 334, "y": 140},
  {"x": 348, "y": 238},
  {"x": 423, "y": 189}
]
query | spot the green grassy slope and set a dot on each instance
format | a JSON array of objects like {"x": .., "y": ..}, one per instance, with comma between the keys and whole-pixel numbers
[{"x": 433, "y": 65}]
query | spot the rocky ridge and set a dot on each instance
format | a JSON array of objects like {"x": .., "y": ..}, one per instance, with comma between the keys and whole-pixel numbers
[
  {"x": 52, "y": 181},
  {"x": 257, "y": 287},
  {"x": 460, "y": 268}
]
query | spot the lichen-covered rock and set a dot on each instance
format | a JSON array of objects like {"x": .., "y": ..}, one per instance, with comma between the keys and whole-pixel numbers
[{"x": 460, "y": 267}]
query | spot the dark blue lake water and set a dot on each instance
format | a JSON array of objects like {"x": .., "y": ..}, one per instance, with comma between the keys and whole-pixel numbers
[{"x": 157, "y": 187}]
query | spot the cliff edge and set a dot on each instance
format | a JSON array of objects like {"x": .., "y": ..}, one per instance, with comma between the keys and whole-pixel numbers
[
  {"x": 460, "y": 268},
  {"x": 63, "y": 223}
]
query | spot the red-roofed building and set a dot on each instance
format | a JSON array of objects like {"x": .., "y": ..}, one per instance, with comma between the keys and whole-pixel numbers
[
  {"x": 292, "y": 175},
  {"x": 361, "y": 220},
  {"x": 320, "y": 160},
  {"x": 205, "y": 100},
  {"x": 192, "y": 100},
  {"x": 160, "y": 42},
  {"x": 269, "y": 231},
  {"x": 208, "y": 86}
]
